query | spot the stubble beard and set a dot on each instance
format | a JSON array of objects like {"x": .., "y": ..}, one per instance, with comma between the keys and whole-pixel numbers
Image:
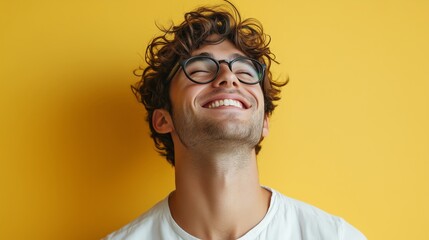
[{"x": 208, "y": 134}]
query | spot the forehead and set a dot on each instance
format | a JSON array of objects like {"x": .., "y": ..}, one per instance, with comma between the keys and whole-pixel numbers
[{"x": 223, "y": 50}]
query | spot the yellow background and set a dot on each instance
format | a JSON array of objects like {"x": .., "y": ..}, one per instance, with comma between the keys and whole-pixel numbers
[{"x": 351, "y": 134}]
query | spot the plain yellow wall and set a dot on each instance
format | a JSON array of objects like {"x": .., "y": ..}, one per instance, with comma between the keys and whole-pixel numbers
[{"x": 350, "y": 136}]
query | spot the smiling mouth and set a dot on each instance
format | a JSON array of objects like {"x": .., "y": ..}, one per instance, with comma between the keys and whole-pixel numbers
[{"x": 225, "y": 103}]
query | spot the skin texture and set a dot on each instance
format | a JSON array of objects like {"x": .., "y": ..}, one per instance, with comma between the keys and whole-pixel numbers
[{"x": 218, "y": 195}]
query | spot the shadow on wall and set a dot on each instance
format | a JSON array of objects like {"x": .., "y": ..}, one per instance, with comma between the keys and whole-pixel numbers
[{"x": 109, "y": 170}]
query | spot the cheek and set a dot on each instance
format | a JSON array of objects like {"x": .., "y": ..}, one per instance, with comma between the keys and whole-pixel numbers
[
  {"x": 185, "y": 97},
  {"x": 257, "y": 93}
]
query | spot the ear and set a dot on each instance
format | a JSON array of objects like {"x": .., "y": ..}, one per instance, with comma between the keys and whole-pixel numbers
[
  {"x": 265, "y": 127},
  {"x": 161, "y": 121}
]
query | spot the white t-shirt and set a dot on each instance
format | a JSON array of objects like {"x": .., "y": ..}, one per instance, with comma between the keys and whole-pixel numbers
[{"x": 286, "y": 219}]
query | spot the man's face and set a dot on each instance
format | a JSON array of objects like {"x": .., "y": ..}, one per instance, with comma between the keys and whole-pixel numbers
[{"x": 222, "y": 113}]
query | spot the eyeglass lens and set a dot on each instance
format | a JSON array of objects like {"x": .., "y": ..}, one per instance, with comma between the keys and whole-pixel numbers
[{"x": 205, "y": 69}]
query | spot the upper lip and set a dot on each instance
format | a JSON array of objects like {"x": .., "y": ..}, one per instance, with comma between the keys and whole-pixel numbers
[{"x": 246, "y": 104}]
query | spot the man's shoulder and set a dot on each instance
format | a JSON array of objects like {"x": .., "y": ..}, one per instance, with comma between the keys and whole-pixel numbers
[
  {"x": 310, "y": 219},
  {"x": 152, "y": 219},
  {"x": 303, "y": 210}
]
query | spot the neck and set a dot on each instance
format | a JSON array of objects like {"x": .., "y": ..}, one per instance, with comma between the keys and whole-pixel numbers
[{"x": 222, "y": 192}]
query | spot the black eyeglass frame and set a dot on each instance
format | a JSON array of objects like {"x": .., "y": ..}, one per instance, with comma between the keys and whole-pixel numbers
[{"x": 183, "y": 63}]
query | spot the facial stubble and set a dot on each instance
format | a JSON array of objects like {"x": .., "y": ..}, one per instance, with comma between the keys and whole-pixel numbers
[{"x": 206, "y": 132}]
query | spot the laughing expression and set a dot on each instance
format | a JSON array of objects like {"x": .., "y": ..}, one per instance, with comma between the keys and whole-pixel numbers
[{"x": 224, "y": 112}]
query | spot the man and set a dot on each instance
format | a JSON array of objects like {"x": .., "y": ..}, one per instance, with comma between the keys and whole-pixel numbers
[{"x": 208, "y": 92}]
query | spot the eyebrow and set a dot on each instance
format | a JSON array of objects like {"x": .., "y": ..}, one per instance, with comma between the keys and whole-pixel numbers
[{"x": 232, "y": 56}]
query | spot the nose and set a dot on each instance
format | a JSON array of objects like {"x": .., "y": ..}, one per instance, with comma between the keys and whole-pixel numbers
[{"x": 225, "y": 78}]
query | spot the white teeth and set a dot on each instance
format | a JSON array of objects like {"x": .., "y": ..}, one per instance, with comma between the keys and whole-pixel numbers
[{"x": 225, "y": 102}]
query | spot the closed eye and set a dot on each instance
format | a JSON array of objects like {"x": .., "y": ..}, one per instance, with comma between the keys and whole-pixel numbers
[
  {"x": 199, "y": 72},
  {"x": 245, "y": 73}
]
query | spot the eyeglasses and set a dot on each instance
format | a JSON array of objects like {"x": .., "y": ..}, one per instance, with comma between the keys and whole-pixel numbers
[{"x": 204, "y": 69}]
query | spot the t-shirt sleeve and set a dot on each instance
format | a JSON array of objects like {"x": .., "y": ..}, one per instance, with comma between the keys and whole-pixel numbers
[{"x": 350, "y": 233}]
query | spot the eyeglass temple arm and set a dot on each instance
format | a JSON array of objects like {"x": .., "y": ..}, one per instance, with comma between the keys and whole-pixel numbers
[{"x": 173, "y": 71}]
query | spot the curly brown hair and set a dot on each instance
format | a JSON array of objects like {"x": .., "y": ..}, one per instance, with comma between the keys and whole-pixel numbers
[{"x": 178, "y": 42}]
